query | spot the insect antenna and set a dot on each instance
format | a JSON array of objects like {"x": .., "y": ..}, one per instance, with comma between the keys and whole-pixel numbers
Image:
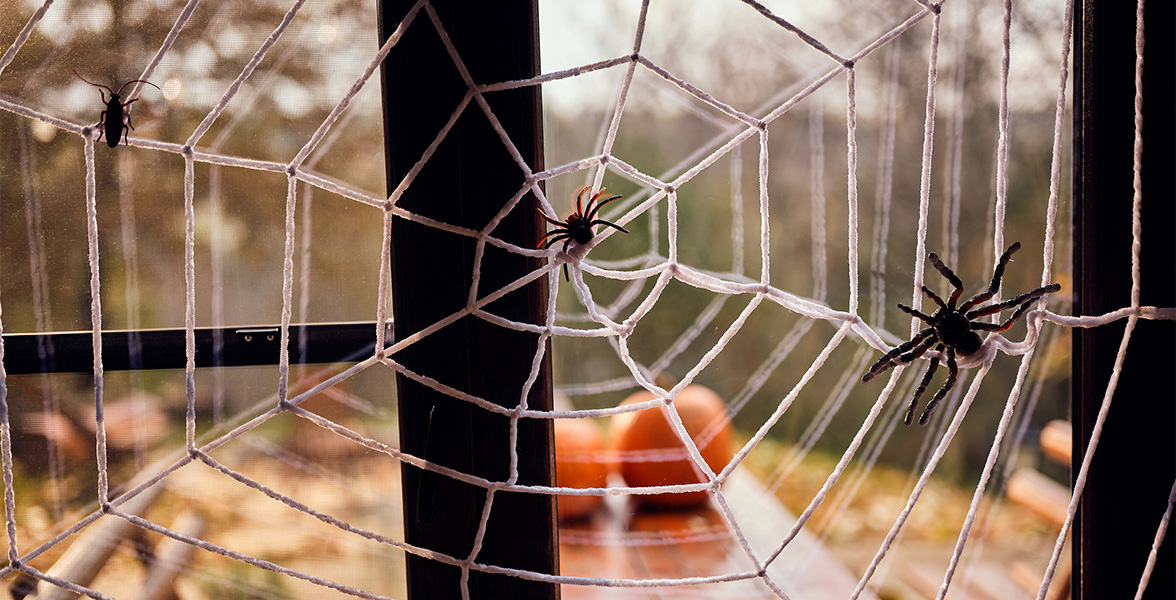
[
  {"x": 137, "y": 81},
  {"x": 95, "y": 84}
]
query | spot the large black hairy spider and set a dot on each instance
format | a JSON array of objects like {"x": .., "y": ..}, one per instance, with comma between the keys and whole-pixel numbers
[
  {"x": 579, "y": 225},
  {"x": 954, "y": 329}
]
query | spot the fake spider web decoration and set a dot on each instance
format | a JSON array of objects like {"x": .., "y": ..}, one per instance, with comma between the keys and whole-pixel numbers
[{"x": 642, "y": 282}]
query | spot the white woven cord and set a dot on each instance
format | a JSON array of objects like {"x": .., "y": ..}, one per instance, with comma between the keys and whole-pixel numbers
[
  {"x": 1155, "y": 549},
  {"x": 736, "y": 298}
]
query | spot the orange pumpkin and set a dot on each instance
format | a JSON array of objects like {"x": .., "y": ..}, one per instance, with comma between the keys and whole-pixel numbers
[
  {"x": 650, "y": 452},
  {"x": 580, "y": 462}
]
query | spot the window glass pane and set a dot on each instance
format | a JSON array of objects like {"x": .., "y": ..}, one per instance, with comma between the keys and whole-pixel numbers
[
  {"x": 708, "y": 72},
  {"x": 240, "y": 234}
]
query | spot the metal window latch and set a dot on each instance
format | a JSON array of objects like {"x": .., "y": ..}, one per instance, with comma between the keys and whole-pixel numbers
[{"x": 261, "y": 335}]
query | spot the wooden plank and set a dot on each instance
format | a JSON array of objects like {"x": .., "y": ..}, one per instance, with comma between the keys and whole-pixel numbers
[
  {"x": 1057, "y": 441},
  {"x": 618, "y": 543},
  {"x": 1040, "y": 495},
  {"x": 172, "y": 557},
  {"x": 84, "y": 559},
  {"x": 765, "y": 522},
  {"x": 988, "y": 582},
  {"x": 1029, "y": 578}
]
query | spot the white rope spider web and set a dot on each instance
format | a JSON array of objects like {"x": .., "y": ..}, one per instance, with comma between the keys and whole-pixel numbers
[{"x": 646, "y": 279}]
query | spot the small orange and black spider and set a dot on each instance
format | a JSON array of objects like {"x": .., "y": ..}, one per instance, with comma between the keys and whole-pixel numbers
[
  {"x": 954, "y": 329},
  {"x": 580, "y": 224}
]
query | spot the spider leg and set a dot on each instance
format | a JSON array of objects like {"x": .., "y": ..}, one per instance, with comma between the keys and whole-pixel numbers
[
  {"x": 914, "y": 313},
  {"x": 910, "y": 413},
  {"x": 949, "y": 275},
  {"x": 590, "y": 207},
  {"x": 613, "y": 225},
  {"x": 981, "y": 326},
  {"x": 549, "y": 219},
  {"x": 580, "y": 199},
  {"x": 592, "y": 202},
  {"x": 1007, "y": 304},
  {"x": 557, "y": 236},
  {"x": 952, "y": 372},
  {"x": 919, "y": 351},
  {"x": 565, "y": 251},
  {"x": 934, "y": 298},
  {"x": 1028, "y": 303},
  {"x": 997, "y": 275},
  {"x": 887, "y": 360},
  {"x": 592, "y": 210},
  {"x": 556, "y": 232}
]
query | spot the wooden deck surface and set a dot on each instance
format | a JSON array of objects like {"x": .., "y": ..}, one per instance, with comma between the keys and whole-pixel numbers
[{"x": 618, "y": 543}]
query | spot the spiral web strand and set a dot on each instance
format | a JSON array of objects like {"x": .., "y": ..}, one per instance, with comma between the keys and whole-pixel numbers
[{"x": 646, "y": 281}]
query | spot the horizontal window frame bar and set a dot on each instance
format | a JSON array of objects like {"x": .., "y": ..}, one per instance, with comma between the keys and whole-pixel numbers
[{"x": 144, "y": 349}]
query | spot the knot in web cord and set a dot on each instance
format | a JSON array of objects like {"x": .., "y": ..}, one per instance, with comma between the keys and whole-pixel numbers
[
  {"x": 187, "y": 150},
  {"x": 576, "y": 252},
  {"x": 624, "y": 328},
  {"x": 983, "y": 356},
  {"x": 1033, "y": 321},
  {"x": 291, "y": 170}
]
